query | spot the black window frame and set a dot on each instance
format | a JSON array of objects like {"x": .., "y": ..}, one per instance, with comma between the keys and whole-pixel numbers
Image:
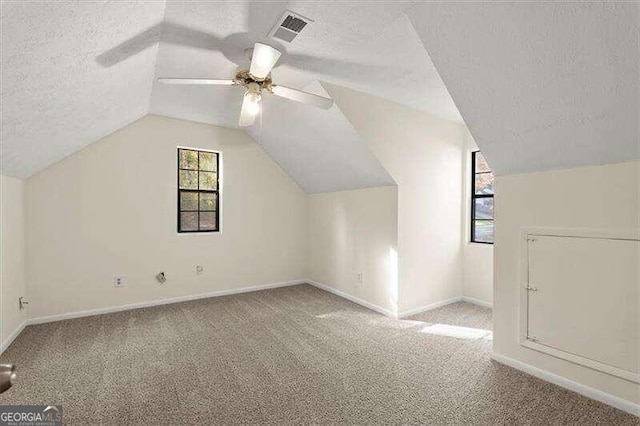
[
  {"x": 198, "y": 191},
  {"x": 474, "y": 197}
]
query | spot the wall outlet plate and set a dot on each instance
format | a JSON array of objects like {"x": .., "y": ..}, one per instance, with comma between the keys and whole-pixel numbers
[{"x": 119, "y": 281}]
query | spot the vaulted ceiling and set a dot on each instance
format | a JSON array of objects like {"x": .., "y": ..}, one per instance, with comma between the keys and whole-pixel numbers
[
  {"x": 541, "y": 85},
  {"x": 56, "y": 98},
  {"x": 334, "y": 158},
  {"x": 77, "y": 71}
]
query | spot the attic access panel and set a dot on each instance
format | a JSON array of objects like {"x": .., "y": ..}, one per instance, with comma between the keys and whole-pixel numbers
[{"x": 580, "y": 298}]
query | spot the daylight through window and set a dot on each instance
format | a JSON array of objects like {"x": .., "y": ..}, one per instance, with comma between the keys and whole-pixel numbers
[
  {"x": 198, "y": 196},
  {"x": 481, "y": 200}
]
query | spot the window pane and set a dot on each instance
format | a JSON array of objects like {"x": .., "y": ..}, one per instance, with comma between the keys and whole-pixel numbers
[
  {"x": 197, "y": 190},
  {"x": 189, "y": 221},
  {"x": 481, "y": 163},
  {"x": 188, "y": 159},
  {"x": 484, "y": 183},
  {"x": 188, "y": 179},
  {"x": 208, "y": 180},
  {"x": 208, "y": 161},
  {"x": 208, "y": 221},
  {"x": 208, "y": 201},
  {"x": 483, "y": 208},
  {"x": 484, "y": 231},
  {"x": 188, "y": 200}
]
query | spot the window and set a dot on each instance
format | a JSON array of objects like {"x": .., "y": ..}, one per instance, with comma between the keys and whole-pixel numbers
[
  {"x": 481, "y": 200},
  {"x": 198, "y": 196}
]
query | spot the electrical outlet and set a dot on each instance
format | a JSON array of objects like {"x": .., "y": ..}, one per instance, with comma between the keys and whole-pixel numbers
[
  {"x": 199, "y": 269},
  {"x": 360, "y": 279},
  {"x": 119, "y": 281}
]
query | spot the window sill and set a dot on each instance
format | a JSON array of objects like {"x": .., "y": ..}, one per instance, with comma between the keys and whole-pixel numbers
[
  {"x": 477, "y": 244},
  {"x": 193, "y": 234}
]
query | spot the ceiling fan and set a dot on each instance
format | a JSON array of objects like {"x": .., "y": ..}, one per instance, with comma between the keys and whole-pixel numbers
[{"x": 256, "y": 81}]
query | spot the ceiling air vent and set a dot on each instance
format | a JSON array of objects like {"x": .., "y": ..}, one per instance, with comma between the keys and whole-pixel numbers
[{"x": 289, "y": 26}]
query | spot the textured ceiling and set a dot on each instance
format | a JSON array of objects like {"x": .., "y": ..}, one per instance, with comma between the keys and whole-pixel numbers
[
  {"x": 372, "y": 49},
  {"x": 76, "y": 71},
  {"x": 540, "y": 85},
  {"x": 55, "y": 98},
  {"x": 335, "y": 158}
]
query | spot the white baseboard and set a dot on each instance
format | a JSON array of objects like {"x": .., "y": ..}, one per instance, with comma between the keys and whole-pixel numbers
[
  {"x": 442, "y": 303},
  {"x": 15, "y": 333},
  {"x": 477, "y": 302},
  {"x": 614, "y": 401},
  {"x": 430, "y": 307},
  {"x": 100, "y": 311},
  {"x": 353, "y": 299},
  {"x": 388, "y": 312}
]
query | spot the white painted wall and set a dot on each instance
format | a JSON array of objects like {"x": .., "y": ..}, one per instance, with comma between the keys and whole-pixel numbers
[
  {"x": 12, "y": 259},
  {"x": 477, "y": 259},
  {"x": 110, "y": 209},
  {"x": 423, "y": 155},
  {"x": 356, "y": 231},
  {"x": 597, "y": 197},
  {"x": 477, "y": 273}
]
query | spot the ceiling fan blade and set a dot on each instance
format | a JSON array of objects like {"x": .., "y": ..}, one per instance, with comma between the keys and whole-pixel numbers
[
  {"x": 196, "y": 81},
  {"x": 249, "y": 110},
  {"x": 300, "y": 96},
  {"x": 263, "y": 60}
]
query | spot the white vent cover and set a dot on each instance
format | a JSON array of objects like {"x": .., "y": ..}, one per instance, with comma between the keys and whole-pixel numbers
[{"x": 289, "y": 26}]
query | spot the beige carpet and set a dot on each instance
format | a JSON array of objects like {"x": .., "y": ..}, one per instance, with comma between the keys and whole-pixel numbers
[{"x": 290, "y": 355}]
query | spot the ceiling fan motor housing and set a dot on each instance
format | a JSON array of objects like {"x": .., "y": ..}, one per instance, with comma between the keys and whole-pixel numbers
[{"x": 244, "y": 78}]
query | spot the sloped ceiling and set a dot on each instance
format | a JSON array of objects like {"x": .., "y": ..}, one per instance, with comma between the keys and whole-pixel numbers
[
  {"x": 541, "y": 85},
  {"x": 56, "y": 98},
  {"x": 344, "y": 163},
  {"x": 77, "y": 71},
  {"x": 372, "y": 49}
]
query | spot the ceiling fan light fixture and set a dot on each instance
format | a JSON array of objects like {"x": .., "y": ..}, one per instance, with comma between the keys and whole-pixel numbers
[
  {"x": 257, "y": 80},
  {"x": 264, "y": 58},
  {"x": 253, "y": 102},
  {"x": 250, "y": 108}
]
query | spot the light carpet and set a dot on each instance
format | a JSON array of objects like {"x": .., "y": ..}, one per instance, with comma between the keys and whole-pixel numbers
[{"x": 289, "y": 355}]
